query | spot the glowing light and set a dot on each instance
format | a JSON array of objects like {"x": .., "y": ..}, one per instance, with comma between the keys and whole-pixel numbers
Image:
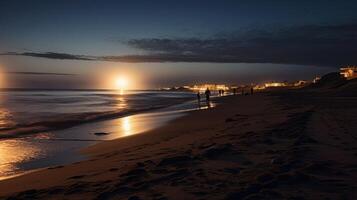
[
  {"x": 122, "y": 83},
  {"x": 349, "y": 72},
  {"x": 126, "y": 125},
  {"x": 275, "y": 84},
  {"x": 204, "y": 87}
]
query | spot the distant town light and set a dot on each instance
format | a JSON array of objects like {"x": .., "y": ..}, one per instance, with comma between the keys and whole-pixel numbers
[
  {"x": 213, "y": 87},
  {"x": 349, "y": 72},
  {"x": 275, "y": 84}
]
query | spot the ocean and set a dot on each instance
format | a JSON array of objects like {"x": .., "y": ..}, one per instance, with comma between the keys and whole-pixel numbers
[{"x": 42, "y": 128}]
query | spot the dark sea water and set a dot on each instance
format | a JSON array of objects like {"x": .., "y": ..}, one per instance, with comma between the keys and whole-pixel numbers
[{"x": 46, "y": 128}]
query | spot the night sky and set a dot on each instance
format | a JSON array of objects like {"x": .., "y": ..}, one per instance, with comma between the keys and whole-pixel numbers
[{"x": 85, "y": 44}]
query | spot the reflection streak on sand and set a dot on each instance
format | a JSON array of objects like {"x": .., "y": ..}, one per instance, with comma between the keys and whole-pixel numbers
[
  {"x": 13, "y": 152},
  {"x": 125, "y": 121},
  {"x": 139, "y": 123},
  {"x": 126, "y": 125},
  {"x": 130, "y": 125}
]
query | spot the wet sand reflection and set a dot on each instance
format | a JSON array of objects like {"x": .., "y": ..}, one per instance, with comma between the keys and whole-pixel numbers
[{"x": 14, "y": 151}]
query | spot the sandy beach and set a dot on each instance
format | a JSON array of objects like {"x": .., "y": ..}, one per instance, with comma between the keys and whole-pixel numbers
[
  {"x": 178, "y": 100},
  {"x": 277, "y": 145}
]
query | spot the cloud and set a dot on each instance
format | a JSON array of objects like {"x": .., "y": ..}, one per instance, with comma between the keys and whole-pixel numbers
[
  {"x": 41, "y": 73},
  {"x": 311, "y": 45},
  {"x": 324, "y": 45},
  {"x": 50, "y": 55}
]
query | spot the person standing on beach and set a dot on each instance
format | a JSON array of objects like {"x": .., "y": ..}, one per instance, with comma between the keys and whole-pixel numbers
[
  {"x": 251, "y": 91},
  {"x": 208, "y": 94},
  {"x": 199, "y": 99}
]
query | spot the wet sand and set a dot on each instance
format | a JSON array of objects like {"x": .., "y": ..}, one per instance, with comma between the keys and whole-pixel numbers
[
  {"x": 32, "y": 152},
  {"x": 283, "y": 145}
]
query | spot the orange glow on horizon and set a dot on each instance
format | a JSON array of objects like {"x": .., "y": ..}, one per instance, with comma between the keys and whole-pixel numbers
[
  {"x": 122, "y": 83},
  {"x": 121, "y": 80}
]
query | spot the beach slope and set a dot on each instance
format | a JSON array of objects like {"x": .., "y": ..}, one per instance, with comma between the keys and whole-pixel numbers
[{"x": 279, "y": 145}]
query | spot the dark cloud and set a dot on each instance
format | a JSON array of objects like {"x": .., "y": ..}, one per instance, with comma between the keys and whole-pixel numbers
[
  {"x": 41, "y": 73},
  {"x": 51, "y": 55},
  {"x": 312, "y": 45},
  {"x": 325, "y": 45}
]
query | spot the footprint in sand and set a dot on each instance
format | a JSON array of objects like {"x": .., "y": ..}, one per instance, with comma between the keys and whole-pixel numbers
[{"x": 77, "y": 177}]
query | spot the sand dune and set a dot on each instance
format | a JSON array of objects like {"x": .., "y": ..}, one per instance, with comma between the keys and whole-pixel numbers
[
  {"x": 285, "y": 145},
  {"x": 333, "y": 84}
]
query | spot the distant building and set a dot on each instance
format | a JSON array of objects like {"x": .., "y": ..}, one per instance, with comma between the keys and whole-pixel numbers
[{"x": 349, "y": 72}]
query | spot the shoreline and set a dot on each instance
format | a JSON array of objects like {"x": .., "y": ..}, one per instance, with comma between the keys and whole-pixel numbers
[
  {"x": 74, "y": 121},
  {"x": 261, "y": 146},
  {"x": 103, "y": 147},
  {"x": 126, "y": 125}
]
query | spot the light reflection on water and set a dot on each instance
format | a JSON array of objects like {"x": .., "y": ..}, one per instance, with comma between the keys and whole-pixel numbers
[
  {"x": 14, "y": 151},
  {"x": 5, "y": 118},
  {"x": 121, "y": 103}
]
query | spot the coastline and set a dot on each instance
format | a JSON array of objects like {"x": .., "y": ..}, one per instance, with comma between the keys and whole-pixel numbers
[
  {"x": 104, "y": 147},
  {"x": 62, "y": 147},
  {"x": 246, "y": 146}
]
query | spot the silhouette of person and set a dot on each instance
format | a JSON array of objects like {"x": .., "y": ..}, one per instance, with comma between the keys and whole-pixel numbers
[
  {"x": 251, "y": 91},
  {"x": 208, "y": 94},
  {"x": 234, "y": 91},
  {"x": 199, "y": 99}
]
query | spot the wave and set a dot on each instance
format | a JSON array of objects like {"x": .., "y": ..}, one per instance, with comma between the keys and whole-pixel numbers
[{"x": 23, "y": 113}]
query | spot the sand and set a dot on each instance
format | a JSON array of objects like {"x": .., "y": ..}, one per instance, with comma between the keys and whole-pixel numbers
[{"x": 280, "y": 145}]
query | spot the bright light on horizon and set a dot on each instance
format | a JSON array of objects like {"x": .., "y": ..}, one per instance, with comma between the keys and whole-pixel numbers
[
  {"x": 122, "y": 83},
  {"x": 120, "y": 79}
]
